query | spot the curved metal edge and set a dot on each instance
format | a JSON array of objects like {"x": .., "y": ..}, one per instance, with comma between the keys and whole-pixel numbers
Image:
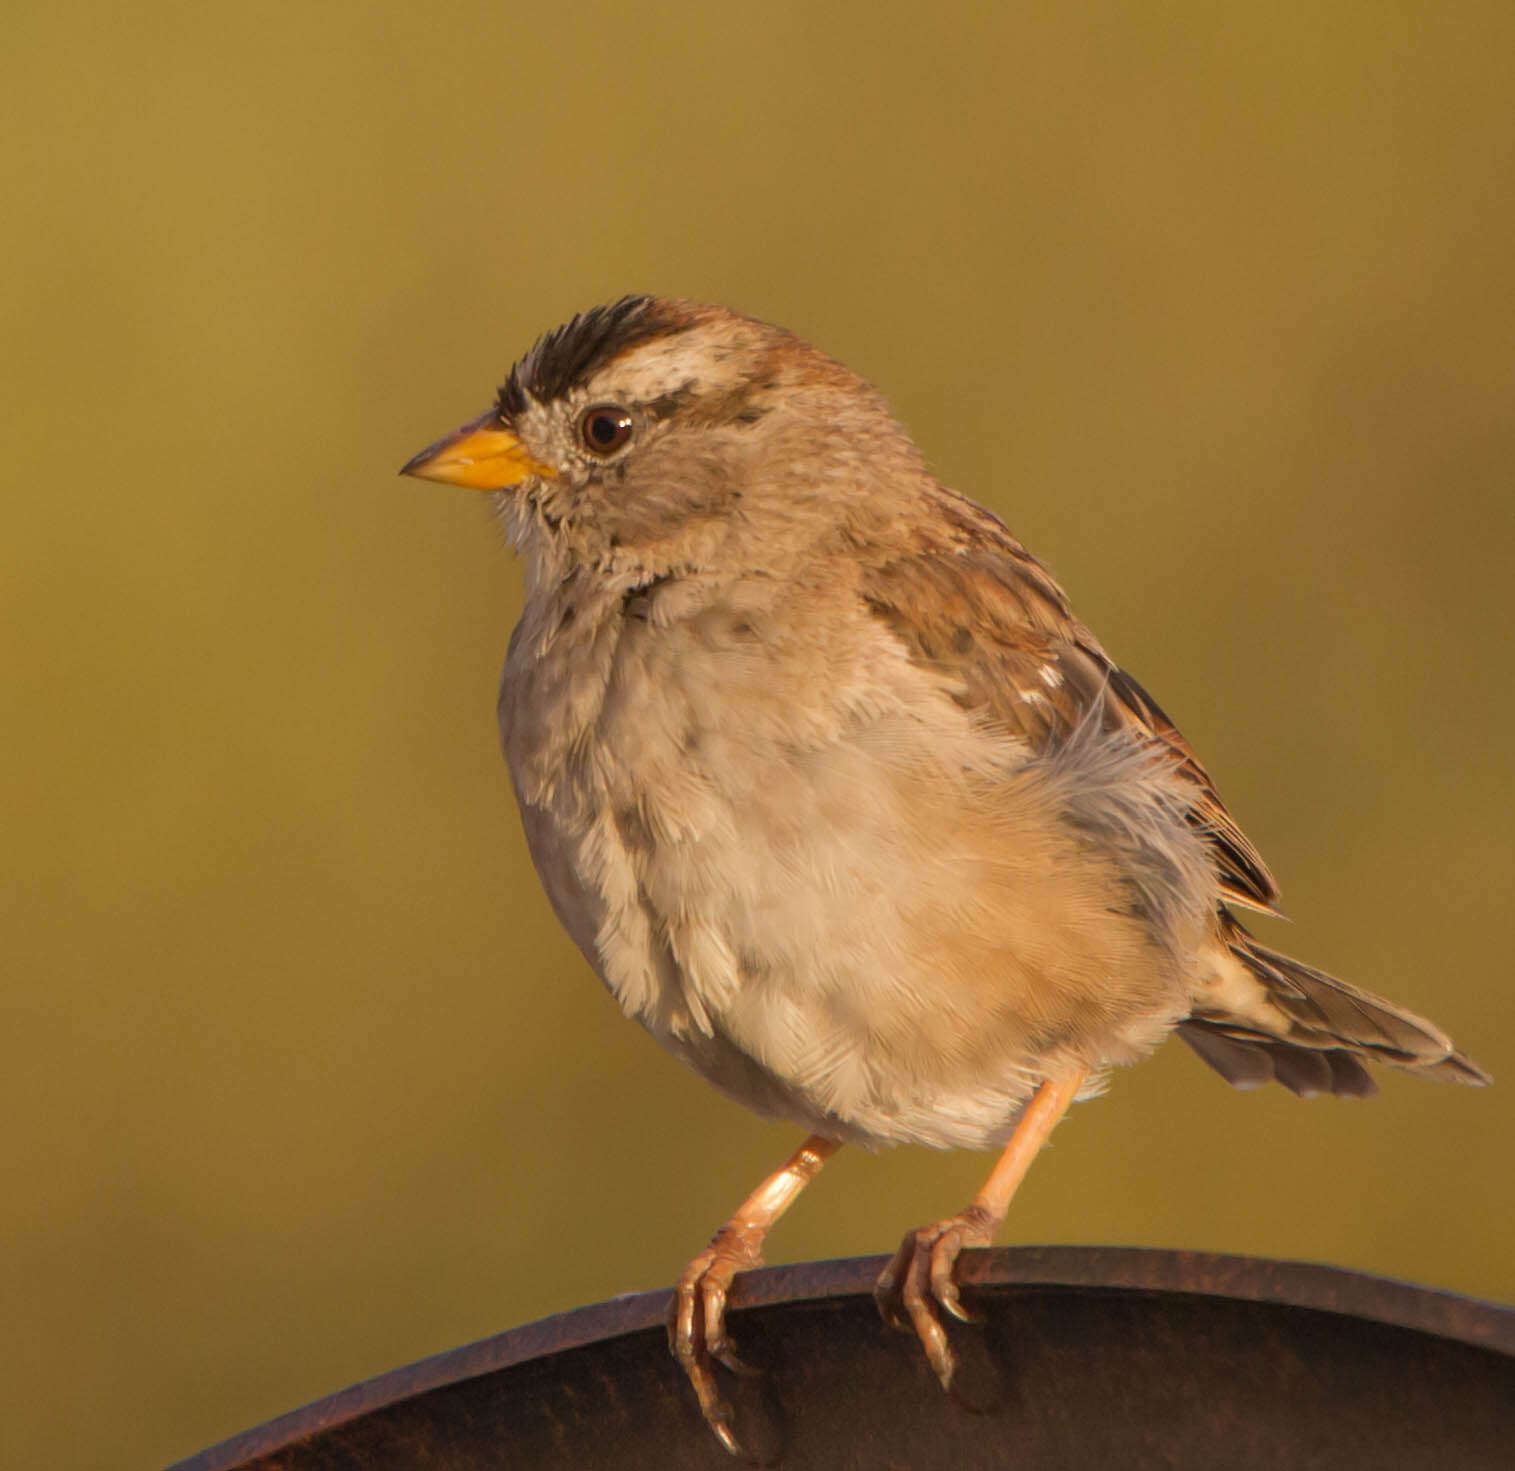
[{"x": 1249, "y": 1279}]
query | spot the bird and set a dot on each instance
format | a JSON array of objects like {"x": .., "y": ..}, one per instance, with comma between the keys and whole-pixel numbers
[{"x": 843, "y": 803}]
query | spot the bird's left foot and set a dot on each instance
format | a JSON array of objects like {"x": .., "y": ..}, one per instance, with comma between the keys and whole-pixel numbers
[
  {"x": 697, "y": 1322},
  {"x": 919, "y": 1281}
]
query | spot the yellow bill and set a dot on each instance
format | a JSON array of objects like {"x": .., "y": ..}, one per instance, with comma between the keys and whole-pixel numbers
[{"x": 480, "y": 456}]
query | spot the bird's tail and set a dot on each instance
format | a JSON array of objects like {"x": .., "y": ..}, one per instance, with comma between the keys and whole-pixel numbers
[{"x": 1271, "y": 1018}]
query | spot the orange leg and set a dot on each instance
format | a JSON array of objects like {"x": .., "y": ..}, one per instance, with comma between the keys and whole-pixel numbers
[
  {"x": 697, "y": 1313},
  {"x": 919, "y": 1279}
]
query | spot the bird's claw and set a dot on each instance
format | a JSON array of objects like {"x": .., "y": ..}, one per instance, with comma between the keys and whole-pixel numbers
[
  {"x": 918, "y": 1281},
  {"x": 697, "y": 1325}
]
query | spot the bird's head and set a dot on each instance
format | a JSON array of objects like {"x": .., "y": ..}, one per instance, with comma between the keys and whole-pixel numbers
[{"x": 654, "y": 435}]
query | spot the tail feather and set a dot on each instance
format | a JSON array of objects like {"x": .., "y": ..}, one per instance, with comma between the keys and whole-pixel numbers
[
  {"x": 1251, "y": 1062},
  {"x": 1458, "y": 1067},
  {"x": 1275, "y": 1019},
  {"x": 1325, "y": 1012}
]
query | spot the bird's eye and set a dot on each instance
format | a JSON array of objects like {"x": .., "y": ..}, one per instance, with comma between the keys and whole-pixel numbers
[{"x": 605, "y": 428}]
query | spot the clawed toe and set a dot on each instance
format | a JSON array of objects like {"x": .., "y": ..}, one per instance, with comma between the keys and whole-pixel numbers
[
  {"x": 697, "y": 1310},
  {"x": 697, "y": 1328},
  {"x": 918, "y": 1282}
]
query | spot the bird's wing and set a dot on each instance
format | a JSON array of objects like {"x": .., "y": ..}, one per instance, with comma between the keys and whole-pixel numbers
[{"x": 973, "y": 604}]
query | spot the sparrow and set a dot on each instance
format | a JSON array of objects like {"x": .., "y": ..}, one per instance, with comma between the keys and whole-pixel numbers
[{"x": 842, "y": 802}]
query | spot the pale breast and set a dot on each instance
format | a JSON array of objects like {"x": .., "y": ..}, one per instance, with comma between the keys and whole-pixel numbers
[{"x": 799, "y": 864}]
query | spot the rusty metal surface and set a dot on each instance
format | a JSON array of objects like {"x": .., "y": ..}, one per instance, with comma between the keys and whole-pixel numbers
[{"x": 1087, "y": 1357}]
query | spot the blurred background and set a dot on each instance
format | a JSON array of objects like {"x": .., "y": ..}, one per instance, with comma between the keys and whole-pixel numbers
[{"x": 299, "y": 1079}]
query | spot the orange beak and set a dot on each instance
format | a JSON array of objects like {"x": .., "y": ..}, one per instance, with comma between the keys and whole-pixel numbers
[{"x": 481, "y": 456}]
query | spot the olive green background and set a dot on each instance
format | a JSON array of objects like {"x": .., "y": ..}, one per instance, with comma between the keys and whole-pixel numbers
[{"x": 299, "y": 1079}]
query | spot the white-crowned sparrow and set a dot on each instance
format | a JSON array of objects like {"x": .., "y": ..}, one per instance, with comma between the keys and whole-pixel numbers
[{"x": 839, "y": 798}]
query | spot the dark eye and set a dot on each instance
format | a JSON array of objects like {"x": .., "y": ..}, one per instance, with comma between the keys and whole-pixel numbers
[{"x": 605, "y": 428}]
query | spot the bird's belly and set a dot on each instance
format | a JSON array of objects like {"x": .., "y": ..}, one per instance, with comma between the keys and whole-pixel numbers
[{"x": 834, "y": 937}]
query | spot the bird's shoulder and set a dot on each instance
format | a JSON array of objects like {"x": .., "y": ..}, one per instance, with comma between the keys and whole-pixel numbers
[{"x": 964, "y": 598}]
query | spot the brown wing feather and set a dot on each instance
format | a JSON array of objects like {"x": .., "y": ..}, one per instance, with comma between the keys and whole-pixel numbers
[{"x": 974, "y": 604}]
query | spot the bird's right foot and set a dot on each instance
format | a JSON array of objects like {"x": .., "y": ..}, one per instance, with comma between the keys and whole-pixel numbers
[{"x": 697, "y": 1322}]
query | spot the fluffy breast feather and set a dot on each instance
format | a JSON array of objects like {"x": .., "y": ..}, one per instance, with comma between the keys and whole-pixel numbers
[{"x": 865, "y": 911}]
